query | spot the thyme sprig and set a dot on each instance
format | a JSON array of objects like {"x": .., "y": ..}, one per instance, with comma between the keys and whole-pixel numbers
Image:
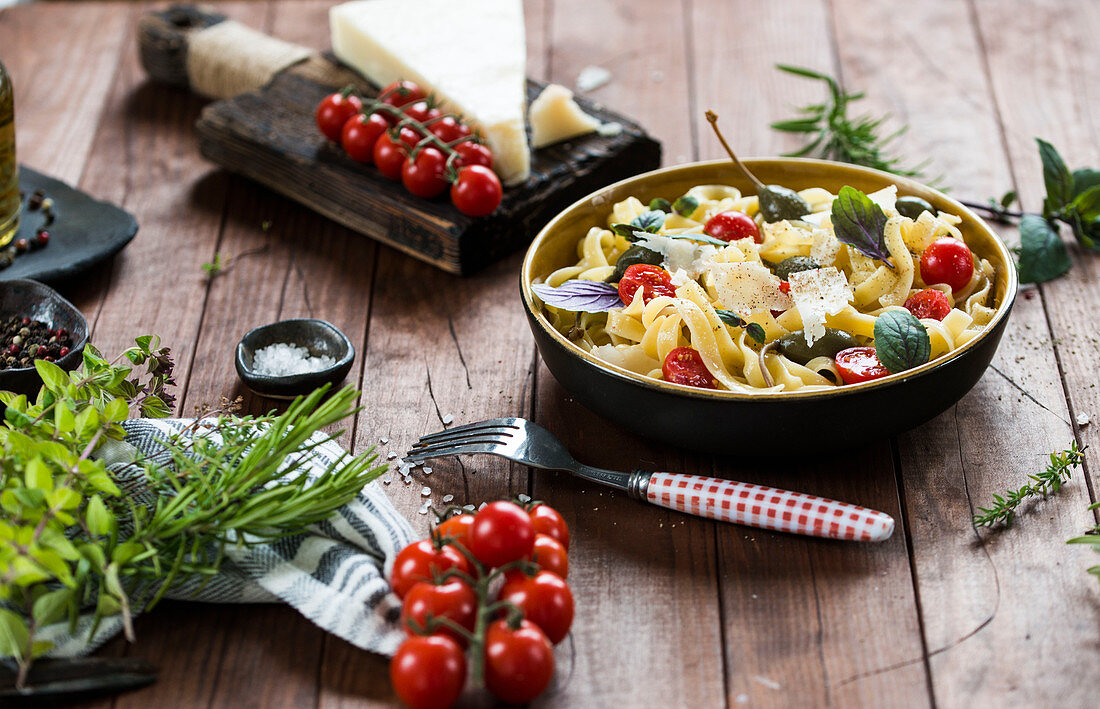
[{"x": 1059, "y": 470}]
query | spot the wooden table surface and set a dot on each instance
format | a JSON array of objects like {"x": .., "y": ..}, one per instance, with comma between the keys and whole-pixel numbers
[{"x": 671, "y": 610}]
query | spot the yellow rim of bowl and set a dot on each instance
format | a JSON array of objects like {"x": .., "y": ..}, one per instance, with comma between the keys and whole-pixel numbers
[{"x": 1006, "y": 272}]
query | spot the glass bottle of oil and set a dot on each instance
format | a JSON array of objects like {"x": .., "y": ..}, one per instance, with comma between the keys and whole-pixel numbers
[{"x": 10, "y": 204}]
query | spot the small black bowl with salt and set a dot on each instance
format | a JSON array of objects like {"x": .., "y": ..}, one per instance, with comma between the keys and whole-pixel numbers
[{"x": 291, "y": 358}]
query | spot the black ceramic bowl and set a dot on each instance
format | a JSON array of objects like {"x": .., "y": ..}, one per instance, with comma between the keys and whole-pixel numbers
[
  {"x": 319, "y": 337},
  {"x": 729, "y": 422},
  {"x": 38, "y": 301}
]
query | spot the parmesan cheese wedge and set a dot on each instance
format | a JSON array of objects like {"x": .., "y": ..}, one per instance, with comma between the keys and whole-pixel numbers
[
  {"x": 555, "y": 117},
  {"x": 816, "y": 294},
  {"x": 747, "y": 287},
  {"x": 471, "y": 54}
]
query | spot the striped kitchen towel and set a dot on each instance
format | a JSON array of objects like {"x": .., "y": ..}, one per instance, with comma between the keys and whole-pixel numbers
[{"x": 334, "y": 573}]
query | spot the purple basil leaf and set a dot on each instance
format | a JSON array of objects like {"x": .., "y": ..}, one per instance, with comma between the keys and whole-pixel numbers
[
  {"x": 581, "y": 296},
  {"x": 861, "y": 224}
]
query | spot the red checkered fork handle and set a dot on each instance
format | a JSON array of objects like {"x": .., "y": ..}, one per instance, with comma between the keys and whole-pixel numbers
[{"x": 767, "y": 507}]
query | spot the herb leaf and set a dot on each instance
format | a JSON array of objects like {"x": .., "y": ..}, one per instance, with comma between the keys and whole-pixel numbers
[
  {"x": 1060, "y": 469},
  {"x": 685, "y": 206},
  {"x": 1085, "y": 179},
  {"x": 861, "y": 224},
  {"x": 753, "y": 329},
  {"x": 580, "y": 295},
  {"x": 1057, "y": 178},
  {"x": 660, "y": 204},
  {"x": 901, "y": 341},
  {"x": 1042, "y": 254},
  {"x": 649, "y": 220}
]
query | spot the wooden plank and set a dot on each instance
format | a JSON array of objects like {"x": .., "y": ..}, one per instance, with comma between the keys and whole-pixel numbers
[
  {"x": 803, "y": 618},
  {"x": 981, "y": 595}
]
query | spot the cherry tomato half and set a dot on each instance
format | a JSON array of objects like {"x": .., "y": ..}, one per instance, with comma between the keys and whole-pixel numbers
[
  {"x": 684, "y": 365},
  {"x": 420, "y": 561},
  {"x": 477, "y": 191},
  {"x": 425, "y": 175},
  {"x": 428, "y": 672},
  {"x": 929, "y": 303},
  {"x": 456, "y": 529},
  {"x": 389, "y": 156},
  {"x": 454, "y": 599},
  {"x": 471, "y": 153},
  {"x": 550, "y": 554},
  {"x": 549, "y": 521},
  {"x": 859, "y": 364},
  {"x": 402, "y": 93},
  {"x": 360, "y": 134},
  {"x": 653, "y": 280},
  {"x": 334, "y": 111},
  {"x": 733, "y": 225},
  {"x": 501, "y": 532},
  {"x": 449, "y": 128},
  {"x": 947, "y": 260},
  {"x": 545, "y": 600},
  {"x": 519, "y": 664}
]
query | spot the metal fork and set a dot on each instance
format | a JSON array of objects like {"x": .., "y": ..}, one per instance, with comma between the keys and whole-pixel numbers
[{"x": 725, "y": 500}]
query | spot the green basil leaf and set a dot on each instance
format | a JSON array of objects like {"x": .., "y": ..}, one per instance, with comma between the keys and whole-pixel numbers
[
  {"x": 901, "y": 341},
  {"x": 1042, "y": 255},
  {"x": 1008, "y": 199},
  {"x": 660, "y": 204},
  {"x": 729, "y": 317},
  {"x": 1056, "y": 177},
  {"x": 1085, "y": 179},
  {"x": 861, "y": 224},
  {"x": 685, "y": 206},
  {"x": 1087, "y": 204},
  {"x": 649, "y": 220},
  {"x": 625, "y": 230}
]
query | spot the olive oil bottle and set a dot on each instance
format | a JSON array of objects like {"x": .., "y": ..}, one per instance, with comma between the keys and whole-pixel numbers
[{"x": 10, "y": 204}]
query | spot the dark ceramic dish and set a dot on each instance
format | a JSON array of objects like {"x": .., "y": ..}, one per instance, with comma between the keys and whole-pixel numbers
[
  {"x": 38, "y": 301},
  {"x": 319, "y": 337},
  {"x": 730, "y": 422}
]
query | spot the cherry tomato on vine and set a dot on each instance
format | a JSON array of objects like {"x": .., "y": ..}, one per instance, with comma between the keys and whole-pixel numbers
[
  {"x": 425, "y": 175},
  {"x": 733, "y": 225},
  {"x": 653, "y": 280},
  {"x": 449, "y": 128},
  {"x": 360, "y": 134},
  {"x": 389, "y": 156},
  {"x": 471, "y": 153},
  {"x": 410, "y": 136},
  {"x": 477, "y": 191},
  {"x": 859, "y": 364},
  {"x": 545, "y": 600},
  {"x": 454, "y": 599},
  {"x": 428, "y": 671},
  {"x": 502, "y": 532},
  {"x": 549, "y": 521},
  {"x": 929, "y": 303},
  {"x": 519, "y": 664},
  {"x": 421, "y": 111},
  {"x": 334, "y": 111},
  {"x": 420, "y": 560},
  {"x": 947, "y": 260},
  {"x": 550, "y": 554},
  {"x": 456, "y": 528},
  {"x": 402, "y": 93},
  {"x": 684, "y": 365}
]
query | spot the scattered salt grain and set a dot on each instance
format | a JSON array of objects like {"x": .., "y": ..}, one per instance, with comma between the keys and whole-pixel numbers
[
  {"x": 448, "y": 498},
  {"x": 384, "y": 441},
  {"x": 657, "y": 76},
  {"x": 469, "y": 508},
  {"x": 767, "y": 682},
  {"x": 424, "y": 508},
  {"x": 386, "y": 481},
  {"x": 592, "y": 77},
  {"x": 523, "y": 498},
  {"x": 483, "y": 505},
  {"x": 742, "y": 698},
  {"x": 282, "y": 359},
  {"x": 1083, "y": 419},
  {"x": 448, "y": 420},
  {"x": 427, "y": 470},
  {"x": 391, "y": 455},
  {"x": 610, "y": 130},
  {"x": 426, "y": 492}
]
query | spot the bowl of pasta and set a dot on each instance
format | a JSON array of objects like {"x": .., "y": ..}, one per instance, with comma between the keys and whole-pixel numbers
[{"x": 818, "y": 307}]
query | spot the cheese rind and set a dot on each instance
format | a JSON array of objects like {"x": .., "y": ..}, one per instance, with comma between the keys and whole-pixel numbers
[
  {"x": 555, "y": 117},
  {"x": 471, "y": 54}
]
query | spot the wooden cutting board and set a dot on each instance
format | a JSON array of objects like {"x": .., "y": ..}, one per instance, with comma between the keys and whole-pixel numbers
[{"x": 264, "y": 128}]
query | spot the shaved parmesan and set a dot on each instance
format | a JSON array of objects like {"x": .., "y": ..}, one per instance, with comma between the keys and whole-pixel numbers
[
  {"x": 680, "y": 254},
  {"x": 817, "y": 218},
  {"x": 826, "y": 247},
  {"x": 816, "y": 294},
  {"x": 886, "y": 198},
  {"x": 747, "y": 287}
]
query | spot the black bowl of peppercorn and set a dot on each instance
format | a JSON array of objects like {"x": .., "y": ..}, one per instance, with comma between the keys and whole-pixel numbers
[{"x": 36, "y": 323}]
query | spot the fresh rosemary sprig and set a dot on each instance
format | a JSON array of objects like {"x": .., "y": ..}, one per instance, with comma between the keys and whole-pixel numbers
[
  {"x": 1059, "y": 470},
  {"x": 837, "y": 136}
]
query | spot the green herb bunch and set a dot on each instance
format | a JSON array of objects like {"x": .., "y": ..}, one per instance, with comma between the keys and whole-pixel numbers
[
  {"x": 1092, "y": 539},
  {"x": 72, "y": 542},
  {"x": 1058, "y": 470}
]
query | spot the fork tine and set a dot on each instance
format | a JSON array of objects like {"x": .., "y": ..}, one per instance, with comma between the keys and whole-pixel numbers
[
  {"x": 491, "y": 423},
  {"x": 473, "y": 439},
  {"x": 454, "y": 437},
  {"x": 420, "y": 455}
]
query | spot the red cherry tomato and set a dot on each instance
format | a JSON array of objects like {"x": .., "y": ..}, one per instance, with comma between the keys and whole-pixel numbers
[
  {"x": 425, "y": 175},
  {"x": 551, "y": 555},
  {"x": 501, "y": 532},
  {"x": 389, "y": 156},
  {"x": 449, "y": 128},
  {"x": 456, "y": 529},
  {"x": 549, "y": 521},
  {"x": 428, "y": 672},
  {"x": 859, "y": 364},
  {"x": 684, "y": 365},
  {"x": 471, "y": 153},
  {"x": 519, "y": 664},
  {"x": 360, "y": 134},
  {"x": 421, "y": 111},
  {"x": 545, "y": 600},
  {"x": 733, "y": 225},
  {"x": 410, "y": 136},
  {"x": 477, "y": 191},
  {"x": 947, "y": 260},
  {"x": 653, "y": 280},
  {"x": 334, "y": 111},
  {"x": 402, "y": 93},
  {"x": 453, "y": 599},
  {"x": 929, "y": 303},
  {"x": 420, "y": 561}
]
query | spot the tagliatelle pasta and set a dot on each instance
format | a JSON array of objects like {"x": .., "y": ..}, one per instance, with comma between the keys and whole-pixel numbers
[{"x": 715, "y": 296}]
